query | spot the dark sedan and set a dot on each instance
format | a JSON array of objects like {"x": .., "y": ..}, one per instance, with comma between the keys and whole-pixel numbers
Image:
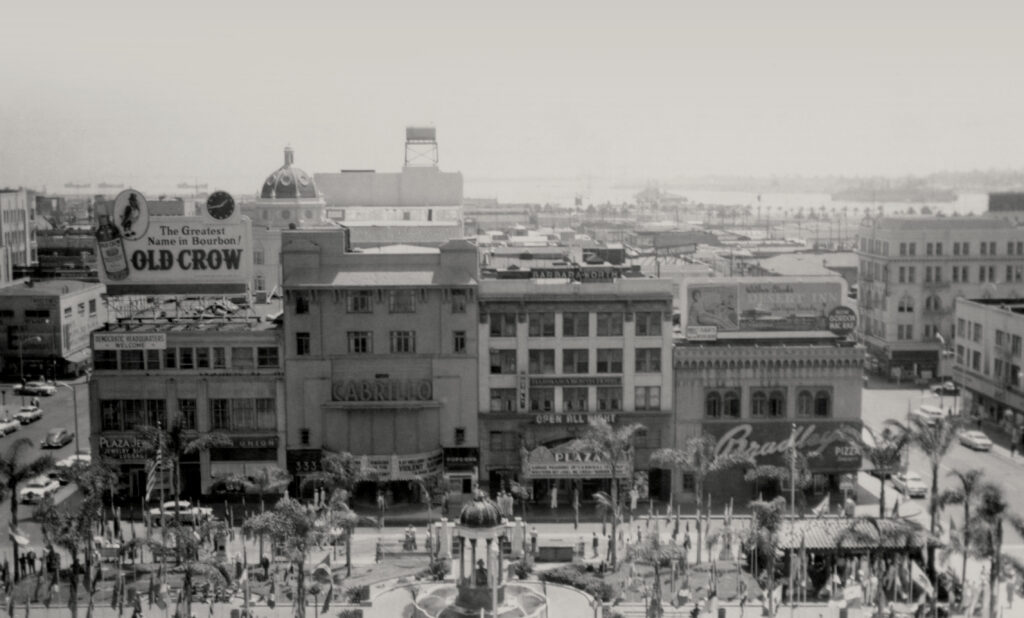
[{"x": 57, "y": 438}]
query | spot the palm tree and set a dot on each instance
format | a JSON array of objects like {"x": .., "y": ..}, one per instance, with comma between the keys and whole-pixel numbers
[
  {"x": 985, "y": 532},
  {"x": 765, "y": 524},
  {"x": 269, "y": 480},
  {"x": 615, "y": 445},
  {"x": 72, "y": 529},
  {"x": 885, "y": 452},
  {"x": 13, "y": 472},
  {"x": 796, "y": 472},
  {"x": 698, "y": 457},
  {"x": 297, "y": 529},
  {"x": 170, "y": 444},
  {"x": 965, "y": 494},
  {"x": 338, "y": 471},
  {"x": 652, "y": 550}
]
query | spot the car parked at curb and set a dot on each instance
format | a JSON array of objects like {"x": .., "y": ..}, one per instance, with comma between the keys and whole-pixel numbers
[
  {"x": 35, "y": 388},
  {"x": 910, "y": 484},
  {"x": 8, "y": 425},
  {"x": 975, "y": 440},
  {"x": 186, "y": 513},
  {"x": 57, "y": 438},
  {"x": 38, "y": 488},
  {"x": 28, "y": 414}
]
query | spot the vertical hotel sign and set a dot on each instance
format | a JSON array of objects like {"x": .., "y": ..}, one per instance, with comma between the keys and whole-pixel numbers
[
  {"x": 522, "y": 392},
  {"x": 142, "y": 253}
]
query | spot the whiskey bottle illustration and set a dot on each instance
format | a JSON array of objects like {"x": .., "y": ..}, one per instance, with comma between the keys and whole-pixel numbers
[{"x": 111, "y": 248}]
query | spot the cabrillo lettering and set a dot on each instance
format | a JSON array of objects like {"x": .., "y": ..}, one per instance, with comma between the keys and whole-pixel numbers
[
  {"x": 382, "y": 390},
  {"x": 737, "y": 441}
]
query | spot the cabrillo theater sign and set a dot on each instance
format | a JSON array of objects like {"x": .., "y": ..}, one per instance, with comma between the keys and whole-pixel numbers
[
  {"x": 828, "y": 445},
  {"x": 382, "y": 390}
]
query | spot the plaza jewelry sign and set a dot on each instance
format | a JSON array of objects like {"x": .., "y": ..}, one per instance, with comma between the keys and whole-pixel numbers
[
  {"x": 827, "y": 445},
  {"x": 122, "y": 448}
]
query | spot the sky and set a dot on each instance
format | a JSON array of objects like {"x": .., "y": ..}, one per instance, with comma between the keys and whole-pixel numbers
[{"x": 212, "y": 91}]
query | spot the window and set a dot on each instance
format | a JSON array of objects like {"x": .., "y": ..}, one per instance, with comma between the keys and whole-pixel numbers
[
  {"x": 575, "y": 361},
  {"x": 648, "y": 360},
  {"x": 301, "y": 304},
  {"x": 241, "y": 358},
  {"x": 976, "y": 360},
  {"x": 360, "y": 342},
  {"x": 956, "y": 274},
  {"x": 68, "y": 311},
  {"x": 689, "y": 482},
  {"x": 503, "y": 400},
  {"x": 609, "y": 324},
  {"x": 304, "y": 435},
  {"x": 609, "y": 361},
  {"x": 903, "y": 248},
  {"x": 260, "y": 283},
  {"x": 220, "y": 416},
  {"x": 92, "y": 307},
  {"x": 497, "y": 439},
  {"x": 170, "y": 358},
  {"x": 152, "y": 359},
  {"x": 647, "y": 398},
  {"x": 459, "y": 342},
  {"x": 105, "y": 359},
  {"x": 459, "y": 300},
  {"x": 541, "y": 361},
  {"x": 503, "y": 324},
  {"x": 804, "y": 404},
  {"x": 956, "y": 248},
  {"x": 960, "y": 355},
  {"x": 402, "y": 301},
  {"x": 648, "y": 323},
  {"x": 132, "y": 360},
  {"x": 964, "y": 276},
  {"x": 257, "y": 257},
  {"x": 128, "y": 414},
  {"x": 992, "y": 247},
  {"x": 81, "y": 310},
  {"x": 542, "y": 325},
  {"x": 977, "y": 333},
  {"x": 965, "y": 248},
  {"x": 359, "y": 301},
  {"x": 503, "y": 361},
  {"x": 938, "y": 248},
  {"x": 902, "y": 274},
  {"x": 998, "y": 370},
  {"x": 203, "y": 358},
  {"x": 403, "y": 342},
  {"x": 928, "y": 249},
  {"x": 910, "y": 274},
  {"x": 713, "y": 405},
  {"x": 981, "y": 272},
  {"x": 731, "y": 404},
  {"x": 904, "y": 332},
  {"x": 187, "y": 413},
  {"x": 37, "y": 313},
  {"x": 1015, "y": 346},
  {"x": 575, "y": 324},
  {"x": 302, "y": 347},
  {"x": 823, "y": 404},
  {"x": 1000, "y": 335},
  {"x": 933, "y": 303},
  {"x": 609, "y": 398},
  {"x": 186, "y": 358},
  {"x": 267, "y": 357},
  {"x": 574, "y": 398},
  {"x": 542, "y": 399},
  {"x": 912, "y": 248},
  {"x": 243, "y": 414},
  {"x": 906, "y": 305},
  {"x": 460, "y": 436}
]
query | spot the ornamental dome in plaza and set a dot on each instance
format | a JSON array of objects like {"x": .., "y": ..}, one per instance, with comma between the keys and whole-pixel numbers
[
  {"x": 288, "y": 181},
  {"x": 480, "y": 513}
]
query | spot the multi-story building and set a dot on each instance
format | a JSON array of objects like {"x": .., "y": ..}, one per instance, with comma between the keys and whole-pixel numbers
[
  {"x": 767, "y": 360},
  {"x": 380, "y": 357},
  {"x": 47, "y": 326},
  {"x": 17, "y": 225},
  {"x": 203, "y": 375},
  {"x": 989, "y": 355},
  {"x": 559, "y": 348},
  {"x": 287, "y": 199},
  {"x": 911, "y": 271}
]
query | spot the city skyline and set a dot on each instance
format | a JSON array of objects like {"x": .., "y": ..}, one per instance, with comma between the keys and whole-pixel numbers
[{"x": 121, "y": 94}]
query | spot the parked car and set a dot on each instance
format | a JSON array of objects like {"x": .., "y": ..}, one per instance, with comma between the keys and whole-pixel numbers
[
  {"x": 63, "y": 467},
  {"x": 187, "y": 513},
  {"x": 946, "y": 388},
  {"x": 929, "y": 415},
  {"x": 28, "y": 414},
  {"x": 35, "y": 388},
  {"x": 976, "y": 440},
  {"x": 38, "y": 488},
  {"x": 909, "y": 484},
  {"x": 8, "y": 426},
  {"x": 57, "y": 438}
]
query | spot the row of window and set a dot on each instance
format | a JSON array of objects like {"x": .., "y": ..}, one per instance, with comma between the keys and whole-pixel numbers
[
  {"x": 608, "y": 360},
  {"x": 399, "y": 301},
  {"x": 576, "y": 399},
  {"x": 264, "y": 357},
  {"x": 575, "y": 324},
  {"x": 959, "y": 248},
  {"x": 767, "y": 403},
  {"x": 361, "y": 342},
  {"x": 258, "y": 414},
  {"x": 1014, "y": 273}
]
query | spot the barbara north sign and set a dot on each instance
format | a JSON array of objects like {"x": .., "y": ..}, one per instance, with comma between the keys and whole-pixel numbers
[{"x": 827, "y": 445}]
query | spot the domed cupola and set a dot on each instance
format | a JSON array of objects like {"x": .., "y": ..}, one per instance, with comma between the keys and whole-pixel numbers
[
  {"x": 480, "y": 513},
  {"x": 288, "y": 181}
]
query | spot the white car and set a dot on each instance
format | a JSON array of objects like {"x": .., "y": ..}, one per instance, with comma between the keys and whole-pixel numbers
[
  {"x": 63, "y": 467},
  {"x": 929, "y": 415},
  {"x": 28, "y": 414},
  {"x": 187, "y": 513},
  {"x": 37, "y": 489},
  {"x": 910, "y": 484},
  {"x": 8, "y": 426},
  {"x": 35, "y": 388},
  {"x": 976, "y": 440}
]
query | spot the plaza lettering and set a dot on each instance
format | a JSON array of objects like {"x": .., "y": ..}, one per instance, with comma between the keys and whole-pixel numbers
[
  {"x": 382, "y": 390},
  {"x": 578, "y": 457},
  {"x": 186, "y": 259},
  {"x": 737, "y": 441}
]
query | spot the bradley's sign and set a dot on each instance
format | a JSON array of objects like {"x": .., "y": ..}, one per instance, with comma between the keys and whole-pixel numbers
[{"x": 826, "y": 444}]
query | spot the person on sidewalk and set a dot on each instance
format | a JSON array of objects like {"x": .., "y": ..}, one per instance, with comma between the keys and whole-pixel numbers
[
  {"x": 533, "y": 540},
  {"x": 595, "y": 544}
]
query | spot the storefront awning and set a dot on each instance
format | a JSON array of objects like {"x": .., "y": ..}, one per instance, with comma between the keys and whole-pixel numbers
[{"x": 396, "y": 467}]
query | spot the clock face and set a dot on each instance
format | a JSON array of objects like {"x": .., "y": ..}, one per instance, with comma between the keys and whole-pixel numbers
[{"x": 220, "y": 205}]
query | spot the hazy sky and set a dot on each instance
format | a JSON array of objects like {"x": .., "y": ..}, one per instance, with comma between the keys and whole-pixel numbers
[{"x": 122, "y": 92}]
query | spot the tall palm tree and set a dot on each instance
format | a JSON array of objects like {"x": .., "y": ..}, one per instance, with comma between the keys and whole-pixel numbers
[
  {"x": 884, "y": 449},
  {"x": 14, "y": 470},
  {"x": 173, "y": 442},
  {"x": 652, "y": 550},
  {"x": 269, "y": 480},
  {"x": 965, "y": 494},
  {"x": 73, "y": 529},
  {"x": 765, "y": 524},
  {"x": 796, "y": 472},
  {"x": 338, "y": 471},
  {"x": 985, "y": 531},
  {"x": 698, "y": 457},
  {"x": 615, "y": 445}
]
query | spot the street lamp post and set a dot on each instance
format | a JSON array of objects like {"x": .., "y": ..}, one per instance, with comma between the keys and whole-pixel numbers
[{"x": 74, "y": 399}]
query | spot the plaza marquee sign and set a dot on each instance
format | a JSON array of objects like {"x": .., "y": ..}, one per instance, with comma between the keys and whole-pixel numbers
[
  {"x": 567, "y": 461},
  {"x": 827, "y": 445}
]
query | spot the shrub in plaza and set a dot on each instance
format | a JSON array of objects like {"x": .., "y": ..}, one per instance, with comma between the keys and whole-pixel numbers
[
  {"x": 357, "y": 594},
  {"x": 436, "y": 570},
  {"x": 578, "y": 577},
  {"x": 524, "y": 567},
  {"x": 350, "y": 613}
]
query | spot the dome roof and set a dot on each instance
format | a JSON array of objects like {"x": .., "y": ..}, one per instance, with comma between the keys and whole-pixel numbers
[
  {"x": 480, "y": 513},
  {"x": 288, "y": 181}
]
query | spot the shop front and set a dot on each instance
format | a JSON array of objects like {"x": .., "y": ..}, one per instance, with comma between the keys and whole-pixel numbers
[
  {"x": 247, "y": 457},
  {"x": 127, "y": 456}
]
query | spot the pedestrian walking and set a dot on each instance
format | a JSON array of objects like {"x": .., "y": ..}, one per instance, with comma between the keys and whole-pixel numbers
[
  {"x": 595, "y": 544},
  {"x": 533, "y": 540}
]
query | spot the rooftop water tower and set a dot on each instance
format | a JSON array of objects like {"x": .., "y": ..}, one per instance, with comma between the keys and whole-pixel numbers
[{"x": 420, "y": 147}]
